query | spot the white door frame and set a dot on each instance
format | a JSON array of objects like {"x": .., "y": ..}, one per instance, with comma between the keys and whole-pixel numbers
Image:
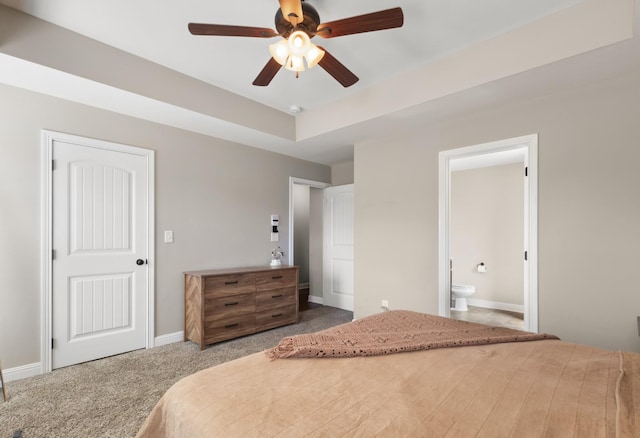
[
  {"x": 304, "y": 182},
  {"x": 47, "y": 139},
  {"x": 530, "y": 145}
]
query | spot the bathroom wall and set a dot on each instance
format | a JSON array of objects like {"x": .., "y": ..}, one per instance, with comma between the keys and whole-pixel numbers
[{"x": 487, "y": 225}]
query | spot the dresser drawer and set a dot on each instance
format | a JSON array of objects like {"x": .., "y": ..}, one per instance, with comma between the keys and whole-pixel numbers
[
  {"x": 229, "y": 305},
  {"x": 276, "y": 279},
  {"x": 228, "y": 328},
  {"x": 270, "y": 299},
  {"x": 229, "y": 284},
  {"x": 271, "y": 318}
]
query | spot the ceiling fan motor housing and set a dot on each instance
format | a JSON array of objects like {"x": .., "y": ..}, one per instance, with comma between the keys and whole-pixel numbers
[{"x": 309, "y": 24}]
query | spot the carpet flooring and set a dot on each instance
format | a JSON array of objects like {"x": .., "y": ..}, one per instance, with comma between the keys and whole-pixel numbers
[{"x": 112, "y": 397}]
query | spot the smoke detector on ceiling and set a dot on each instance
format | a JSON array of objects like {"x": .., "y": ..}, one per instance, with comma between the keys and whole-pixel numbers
[{"x": 295, "y": 109}]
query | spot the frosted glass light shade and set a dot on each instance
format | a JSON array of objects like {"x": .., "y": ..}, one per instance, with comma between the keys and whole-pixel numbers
[
  {"x": 280, "y": 51},
  {"x": 299, "y": 43},
  {"x": 295, "y": 63},
  {"x": 313, "y": 55}
]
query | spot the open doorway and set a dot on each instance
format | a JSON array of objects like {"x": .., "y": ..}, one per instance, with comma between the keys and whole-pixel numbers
[
  {"x": 460, "y": 262},
  {"x": 321, "y": 241},
  {"x": 306, "y": 238}
]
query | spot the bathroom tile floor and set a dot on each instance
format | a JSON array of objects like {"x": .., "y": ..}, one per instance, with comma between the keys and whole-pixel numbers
[{"x": 493, "y": 317}]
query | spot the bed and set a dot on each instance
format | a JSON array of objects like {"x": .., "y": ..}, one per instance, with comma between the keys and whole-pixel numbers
[{"x": 404, "y": 373}]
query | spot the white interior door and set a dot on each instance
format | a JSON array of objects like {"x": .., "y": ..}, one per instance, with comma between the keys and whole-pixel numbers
[
  {"x": 338, "y": 247},
  {"x": 99, "y": 236}
]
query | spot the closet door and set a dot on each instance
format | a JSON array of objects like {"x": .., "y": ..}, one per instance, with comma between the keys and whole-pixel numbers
[{"x": 99, "y": 267}]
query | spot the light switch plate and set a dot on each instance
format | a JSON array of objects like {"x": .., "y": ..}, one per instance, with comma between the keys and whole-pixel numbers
[{"x": 168, "y": 236}]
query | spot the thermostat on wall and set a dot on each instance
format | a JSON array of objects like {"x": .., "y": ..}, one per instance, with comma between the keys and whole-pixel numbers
[{"x": 274, "y": 227}]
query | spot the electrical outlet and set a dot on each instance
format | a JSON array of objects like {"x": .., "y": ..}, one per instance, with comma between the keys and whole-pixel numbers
[
  {"x": 385, "y": 305},
  {"x": 168, "y": 236}
]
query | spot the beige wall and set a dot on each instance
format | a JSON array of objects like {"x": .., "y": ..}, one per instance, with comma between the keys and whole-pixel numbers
[
  {"x": 315, "y": 241},
  {"x": 589, "y": 213},
  {"x": 210, "y": 192},
  {"x": 342, "y": 173},
  {"x": 487, "y": 225}
]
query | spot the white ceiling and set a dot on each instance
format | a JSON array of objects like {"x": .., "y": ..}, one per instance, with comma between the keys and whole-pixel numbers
[
  {"x": 433, "y": 30},
  {"x": 157, "y": 31}
]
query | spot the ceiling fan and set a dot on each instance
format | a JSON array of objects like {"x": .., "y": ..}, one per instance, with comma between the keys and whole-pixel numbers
[{"x": 297, "y": 22}]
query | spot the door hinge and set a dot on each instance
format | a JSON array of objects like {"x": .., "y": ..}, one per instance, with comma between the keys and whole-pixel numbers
[
  {"x": 53, "y": 254},
  {"x": 53, "y": 164},
  {"x": 526, "y": 256},
  {"x": 52, "y": 343},
  {"x": 526, "y": 171}
]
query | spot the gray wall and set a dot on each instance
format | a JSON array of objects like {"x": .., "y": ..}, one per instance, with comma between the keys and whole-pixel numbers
[
  {"x": 208, "y": 191},
  {"x": 301, "y": 199},
  {"x": 316, "y": 203},
  {"x": 487, "y": 225},
  {"x": 588, "y": 209}
]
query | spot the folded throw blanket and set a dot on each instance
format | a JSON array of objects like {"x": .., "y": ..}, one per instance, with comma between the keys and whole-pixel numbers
[{"x": 394, "y": 332}]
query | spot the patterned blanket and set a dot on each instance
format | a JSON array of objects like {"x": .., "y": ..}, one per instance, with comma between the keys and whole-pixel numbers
[{"x": 395, "y": 332}]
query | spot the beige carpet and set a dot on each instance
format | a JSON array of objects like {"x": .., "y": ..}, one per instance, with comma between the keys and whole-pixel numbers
[{"x": 112, "y": 397}]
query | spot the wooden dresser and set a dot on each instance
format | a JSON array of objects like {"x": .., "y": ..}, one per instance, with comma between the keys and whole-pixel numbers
[{"x": 227, "y": 303}]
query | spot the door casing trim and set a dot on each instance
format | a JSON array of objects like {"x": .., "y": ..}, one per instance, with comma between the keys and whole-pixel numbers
[
  {"x": 530, "y": 144},
  {"x": 46, "y": 222}
]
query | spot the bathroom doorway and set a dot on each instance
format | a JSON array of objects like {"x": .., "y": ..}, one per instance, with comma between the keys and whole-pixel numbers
[{"x": 486, "y": 240}]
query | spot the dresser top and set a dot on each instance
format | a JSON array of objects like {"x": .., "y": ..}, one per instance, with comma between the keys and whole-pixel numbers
[{"x": 243, "y": 270}]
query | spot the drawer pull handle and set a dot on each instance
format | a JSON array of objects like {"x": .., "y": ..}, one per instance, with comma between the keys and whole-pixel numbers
[
  {"x": 276, "y": 315},
  {"x": 276, "y": 277},
  {"x": 231, "y": 325},
  {"x": 231, "y": 304},
  {"x": 276, "y": 296},
  {"x": 231, "y": 282}
]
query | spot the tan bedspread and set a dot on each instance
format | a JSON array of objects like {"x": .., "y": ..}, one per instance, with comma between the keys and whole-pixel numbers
[{"x": 519, "y": 389}]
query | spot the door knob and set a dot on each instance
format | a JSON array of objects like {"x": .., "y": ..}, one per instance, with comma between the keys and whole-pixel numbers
[{"x": 139, "y": 262}]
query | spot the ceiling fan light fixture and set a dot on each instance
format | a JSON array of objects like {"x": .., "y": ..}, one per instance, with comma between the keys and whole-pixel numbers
[{"x": 280, "y": 51}]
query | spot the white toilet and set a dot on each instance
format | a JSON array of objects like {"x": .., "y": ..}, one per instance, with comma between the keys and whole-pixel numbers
[{"x": 460, "y": 294}]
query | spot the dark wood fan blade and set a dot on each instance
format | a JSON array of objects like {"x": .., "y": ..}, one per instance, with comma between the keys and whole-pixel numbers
[
  {"x": 336, "y": 69},
  {"x": 292, "y": 11},
  {"x": 227, "y": 30},
  {"x": 268, "y": 73},
  {"x": 387, "y": 19}
]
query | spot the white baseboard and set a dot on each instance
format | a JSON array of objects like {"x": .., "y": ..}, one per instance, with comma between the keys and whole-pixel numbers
[
  {"x": 22, "y": 372},
  {"x": 171, "y": 338},
  {"x": 316, "y": 300},
  {"x": 496, "y": 305}
]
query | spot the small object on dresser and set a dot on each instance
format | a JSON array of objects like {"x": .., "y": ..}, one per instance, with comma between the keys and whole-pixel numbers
[{"x": 276, "y": 255}]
